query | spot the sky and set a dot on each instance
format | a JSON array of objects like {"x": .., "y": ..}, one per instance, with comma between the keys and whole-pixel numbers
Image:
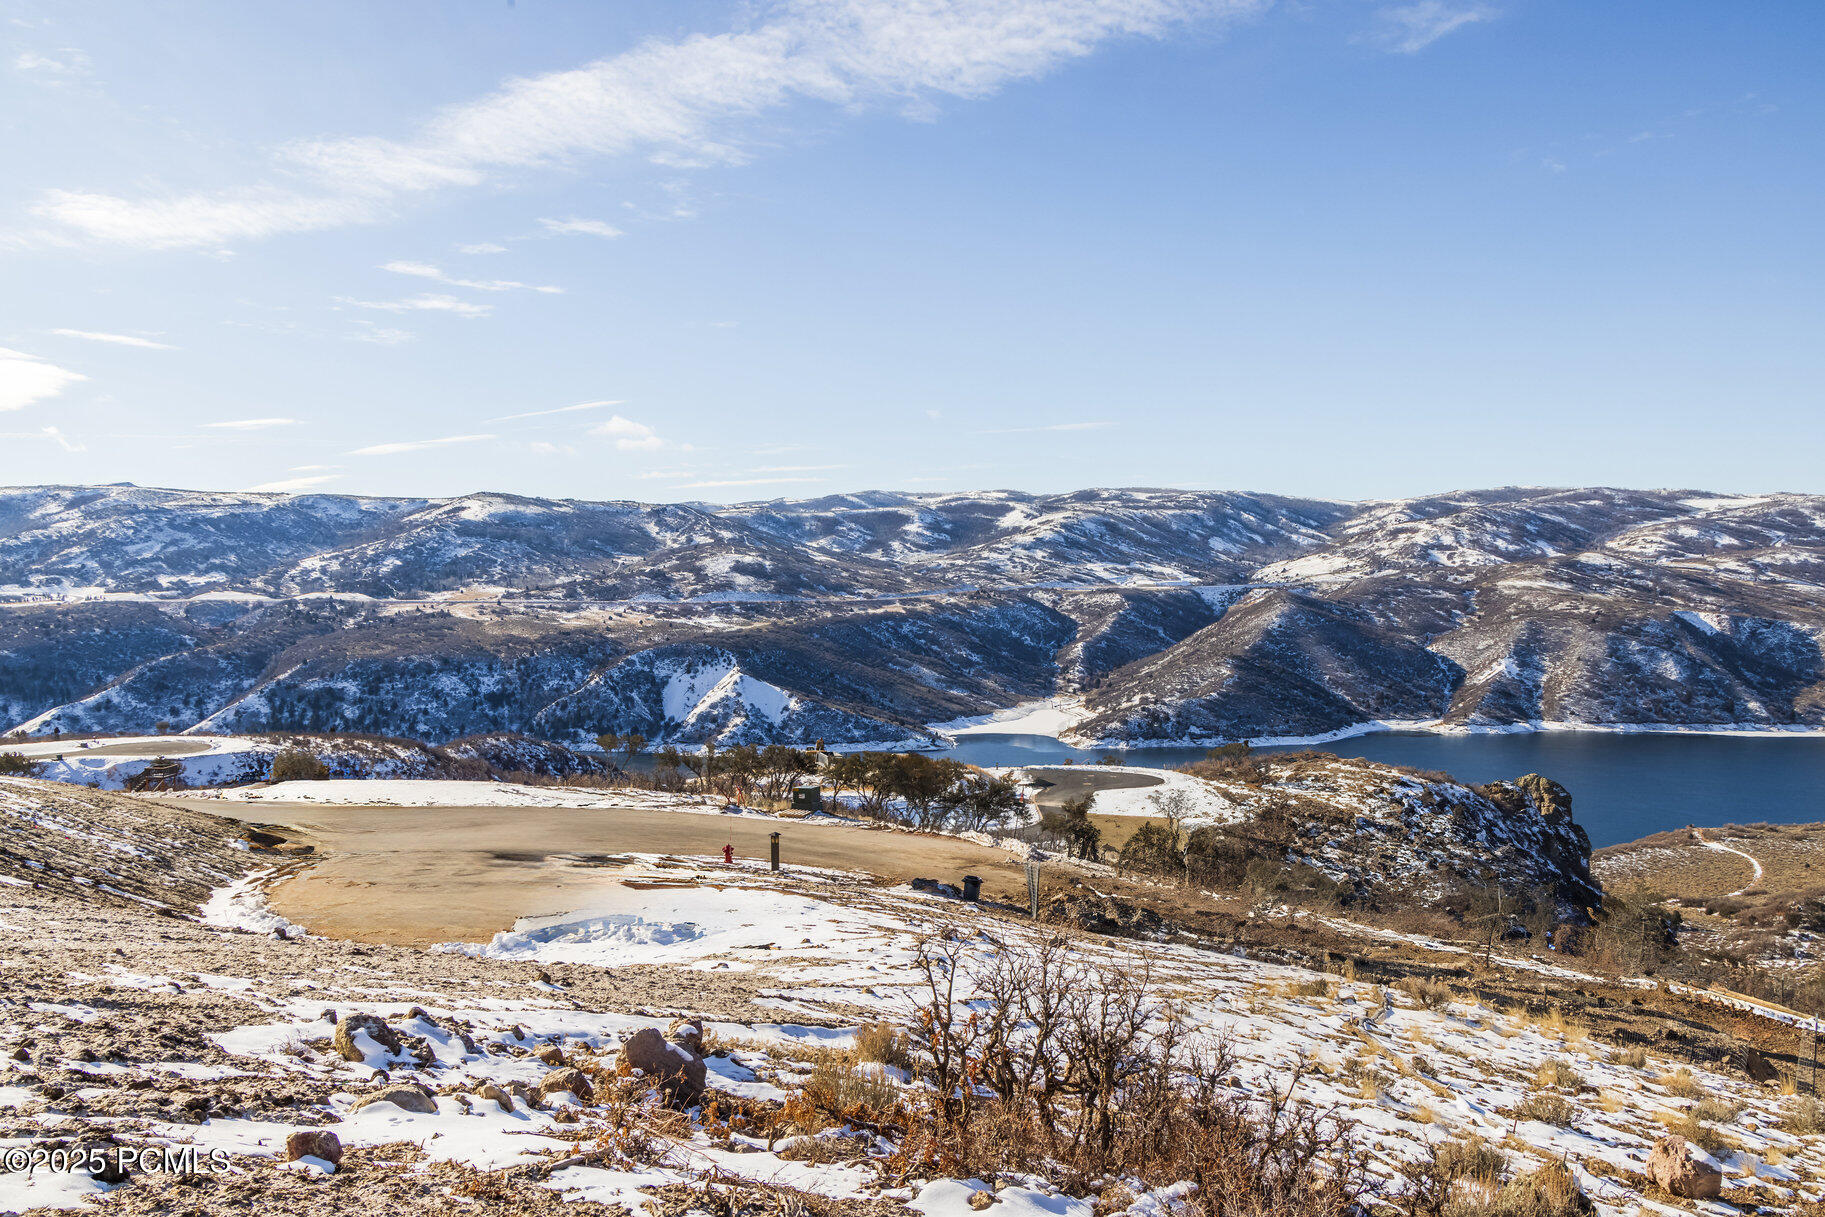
[{"x": 677, "y": 250}]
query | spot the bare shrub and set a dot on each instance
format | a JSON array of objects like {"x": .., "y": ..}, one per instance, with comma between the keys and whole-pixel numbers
[
  {"x": 1089, "y": 1070},
  {"x": 297, "y": 765},
  {"x": 1804, "y": 1117},
  {"x": 1547, "y": 1108},
  {"x": 1429, "y": 992},
  {"x": 1682, "y": 1084}
]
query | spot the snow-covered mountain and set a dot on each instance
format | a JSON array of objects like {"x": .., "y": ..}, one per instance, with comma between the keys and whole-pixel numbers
[{"x": 1172, "y": 614}]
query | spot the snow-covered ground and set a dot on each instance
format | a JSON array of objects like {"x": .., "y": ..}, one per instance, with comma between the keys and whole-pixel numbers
[{"x": 833, "y": 953}]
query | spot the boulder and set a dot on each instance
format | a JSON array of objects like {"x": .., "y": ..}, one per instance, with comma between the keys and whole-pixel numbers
[
  {"x": 1758, "y": 1067},
  {"x": 407, "y": 1098},
  {"x": 551, "y": 1055},
  {"x": 314, "y": 1143},
  {"x": 377, "y": 1029},
  {"x": 566, "y": 1079},
  {"x": 1674, "y": 1167},
  {"x": 489, "y": 1090},
  {"x": 980, "y": 1199},
  {"x": 687, "y": 1033},
  {"x": 676, "y": 1068}
]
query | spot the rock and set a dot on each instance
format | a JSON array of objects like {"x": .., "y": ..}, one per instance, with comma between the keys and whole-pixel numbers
[
  {"x": 1674, "y": 1167},
  {"x": 687, "y": 1033},
  {"x": 407, "y": 1098},
  {"x": 314, "y": 1143},
  {"x": 565, "y": 1115},
  {"x": 1549, "y": 798},
  {"x": 551, "y": 1055},
  {"x": 488, "y": 1090},
  {"x": 566, "y": 1079},
  {"x": 377, "y": 1030},
  {"x": 980, "y": 1199},
  {"x": 676, "y": 1068},
  {"x": 1758, "y": 1067}
]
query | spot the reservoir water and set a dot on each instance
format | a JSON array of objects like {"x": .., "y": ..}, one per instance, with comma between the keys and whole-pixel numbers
[{"x": 1623, "y": 786}]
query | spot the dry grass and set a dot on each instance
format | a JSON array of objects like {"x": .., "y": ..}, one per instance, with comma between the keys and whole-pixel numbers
[
  {"x": 1428, "y": 992},
  {"x": 1804, "y": 1117},
  {"x": 1558, "y": 1073},
  {"x": 1548, "y": 1108},
  {"x": 1633, "y": 1058},
  {"x": 883, "y": 1044},
  {"x": 1681, "y": 1084}
]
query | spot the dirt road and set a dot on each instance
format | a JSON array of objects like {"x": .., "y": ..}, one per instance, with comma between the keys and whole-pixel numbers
[{"x": 412, "y": 876}]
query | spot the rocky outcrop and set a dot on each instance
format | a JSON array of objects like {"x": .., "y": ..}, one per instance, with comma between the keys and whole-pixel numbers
[{"x": 1675, "y": 1166}]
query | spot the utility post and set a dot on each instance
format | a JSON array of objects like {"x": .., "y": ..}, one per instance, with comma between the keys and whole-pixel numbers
[{"x": 775, "y": 837}]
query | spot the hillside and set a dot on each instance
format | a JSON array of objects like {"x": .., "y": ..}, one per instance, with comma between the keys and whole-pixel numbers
[
  {"x": 773, "y": 1042},
  {"x": 1175, "y": 615}
]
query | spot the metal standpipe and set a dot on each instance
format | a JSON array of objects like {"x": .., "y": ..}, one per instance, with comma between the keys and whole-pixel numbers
[{"x": 775, "y": 837}]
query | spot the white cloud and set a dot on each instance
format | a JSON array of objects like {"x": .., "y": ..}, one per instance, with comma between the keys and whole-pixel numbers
[
  {"x": 253, "y": 424},
  {"x": 424, "y": 270},
  {"x": 63, "y": 441},
  {"x": 629, "y": 436},
  {"x": 25, "y": 379},
  {"x": 294, "y": 485},
  {"x": 588, "y": 405},
  {"x": 430, "y": 303},
  {"x": 1409, "y": 28},
  {"x": 576, "y": 227},
  {"x": 68, "y": 62},
  {"x": 547, "y": 448},
  {"x": 797, "y": 468},
  {"x": 380, "y": 334},
  {"x": 417, "y": 445},
  {"x": 1091, "y": 426},
  {"x": 693, "y": 100},
  {"x": 482, "y": 247},
  {"x": 125, "y": 340}
]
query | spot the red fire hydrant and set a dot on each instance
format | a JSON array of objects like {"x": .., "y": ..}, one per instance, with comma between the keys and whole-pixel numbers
[{"x": 728, "y": 855}]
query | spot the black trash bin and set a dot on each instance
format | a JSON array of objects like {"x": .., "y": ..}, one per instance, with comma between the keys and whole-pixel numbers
[{"x": 972, "y": 888}]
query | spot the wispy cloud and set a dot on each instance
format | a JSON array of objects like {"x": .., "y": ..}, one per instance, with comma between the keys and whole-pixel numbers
[
  {"x": 424, "y": 270},
  {"x": 54, "y": 67},
  {"x": 629, "y": 436},
  {"x": 367, "y": 331},
  {"x": 25, "y": 379},
  {"x": 798, "y": 468},
  {"x": 1410, "y": 28},
  {"x": 694, "y": 100},
  {"x": 574, "y": 227},
  {"x": 63, "y": 441},
  {"x": 418, "y": 445},
  {"x": 482, "y": 247},
  {"x": 423, "y": 304},
  {"x": 295, "y": 485},
  {"x": 252, "y": 424},
  {"x": 588, "y": 405},
  {"x": 1100, "y": 425},
  {"x": 125, "y": 340}
]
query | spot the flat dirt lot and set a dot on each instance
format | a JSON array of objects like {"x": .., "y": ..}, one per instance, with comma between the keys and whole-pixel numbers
[{"x": 412, "y": 876}]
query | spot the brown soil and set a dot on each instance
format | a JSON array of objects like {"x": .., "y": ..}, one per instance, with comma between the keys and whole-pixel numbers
[{"x": 413, "y": 876}]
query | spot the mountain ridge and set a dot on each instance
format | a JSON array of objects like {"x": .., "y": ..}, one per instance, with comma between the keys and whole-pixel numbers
[{"x": 1173, "y": 614}]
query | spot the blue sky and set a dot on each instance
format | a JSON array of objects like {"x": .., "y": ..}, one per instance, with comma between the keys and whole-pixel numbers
[{"x": 693, "y": 250}]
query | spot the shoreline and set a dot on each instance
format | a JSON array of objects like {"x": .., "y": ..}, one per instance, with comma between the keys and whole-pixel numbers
[{"x": 1052, "y": 718}]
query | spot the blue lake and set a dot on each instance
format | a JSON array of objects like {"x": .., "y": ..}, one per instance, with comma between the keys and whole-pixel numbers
[{"x": 1623, "y": 786}]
